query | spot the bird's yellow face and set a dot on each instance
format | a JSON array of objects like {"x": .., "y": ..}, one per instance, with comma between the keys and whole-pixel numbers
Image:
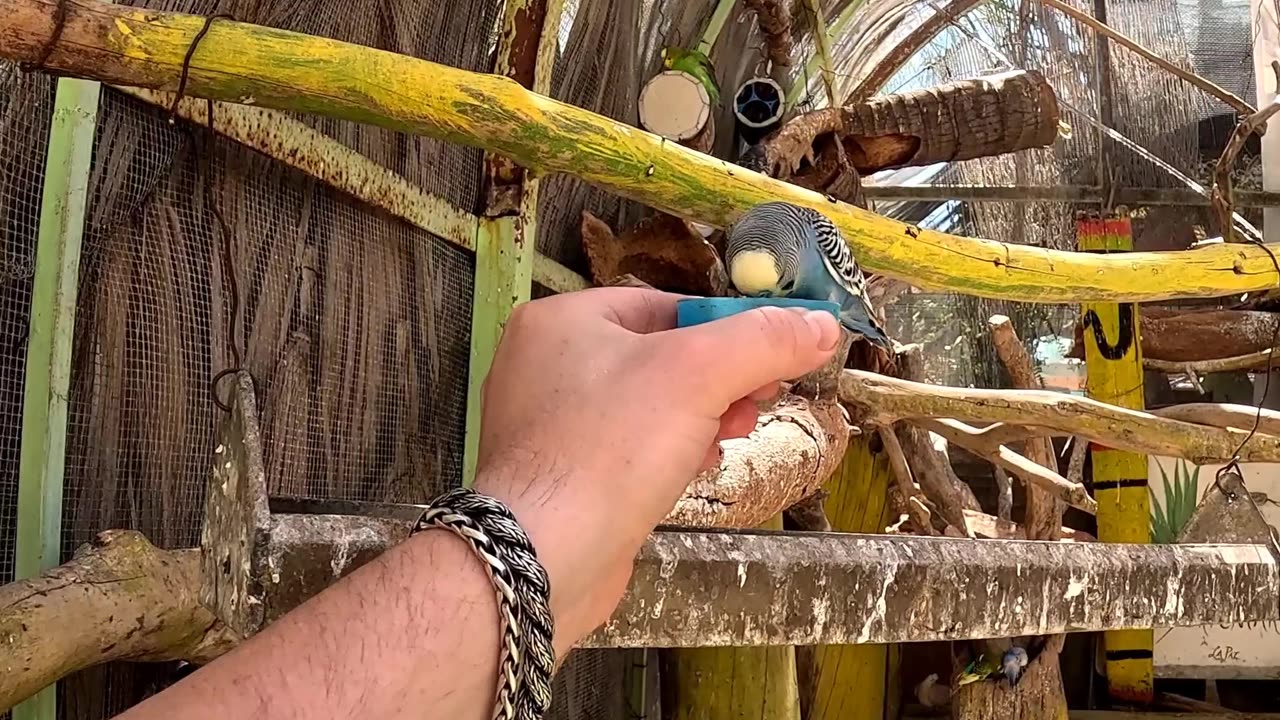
[{"x": 755, "y": 273}]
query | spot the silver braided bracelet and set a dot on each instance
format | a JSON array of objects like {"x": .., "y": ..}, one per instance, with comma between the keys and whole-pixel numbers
[{"x": 526, "y": 658}]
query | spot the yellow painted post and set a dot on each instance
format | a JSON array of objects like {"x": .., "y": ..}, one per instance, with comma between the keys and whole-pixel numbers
[
  {"x": 731, "y": 683},
  {"x": 849, "y": 681},
  {"x": 1113, "y": 362}
]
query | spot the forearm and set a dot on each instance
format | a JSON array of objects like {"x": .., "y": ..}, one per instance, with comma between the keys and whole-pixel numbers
[{"x": 411, "y": 634}]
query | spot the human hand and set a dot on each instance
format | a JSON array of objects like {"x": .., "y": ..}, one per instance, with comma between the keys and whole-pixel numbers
[{"x": 597, "y": 414}]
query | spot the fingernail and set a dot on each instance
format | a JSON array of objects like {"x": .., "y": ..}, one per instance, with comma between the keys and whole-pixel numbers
[{"x": 827, "y": 328}]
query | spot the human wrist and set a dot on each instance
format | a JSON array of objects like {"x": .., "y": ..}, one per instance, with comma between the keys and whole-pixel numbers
[{"x": 545, "y": 518}]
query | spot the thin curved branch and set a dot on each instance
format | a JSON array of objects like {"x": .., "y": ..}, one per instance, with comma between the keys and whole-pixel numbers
[
  {"x": 1254, "y": 123},
  {"x": 1251, "y": 361},
  {"x": 1030, "y": 472},
  {"x": 1223, "y": 415},
  {"x": 882, "y": 399},
  {"x": 911, "y": 493},
  {"x": 910, "y": 45}
]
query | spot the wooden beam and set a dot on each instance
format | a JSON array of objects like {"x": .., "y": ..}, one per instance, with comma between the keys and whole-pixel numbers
[
  {"x": 261, "y": 557},
  {"x": 731, "y": 683},
  {"x": 242, "y": 63},
  {"x": 42, "y": 457},
  {"x": 736, "y": 589},
  {"x": 1113, "y": 361}
]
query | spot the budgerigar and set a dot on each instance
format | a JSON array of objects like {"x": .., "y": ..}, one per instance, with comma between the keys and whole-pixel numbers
[
  {"x": 696, "y": 63},
  {"x": 978, "y": 669},
  {"x": 1013, "y": 663},
  {"x": 778, "y": 249}
]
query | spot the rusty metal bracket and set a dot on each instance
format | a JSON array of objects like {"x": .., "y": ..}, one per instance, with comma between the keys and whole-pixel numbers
[{"x": 264, "y": 556}]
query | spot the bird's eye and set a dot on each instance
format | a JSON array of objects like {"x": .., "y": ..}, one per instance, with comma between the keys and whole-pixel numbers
[{"x": 788, "y": 286}]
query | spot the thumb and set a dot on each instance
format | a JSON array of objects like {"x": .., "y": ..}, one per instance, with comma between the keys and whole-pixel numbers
[{"x": 728, "y": 359}]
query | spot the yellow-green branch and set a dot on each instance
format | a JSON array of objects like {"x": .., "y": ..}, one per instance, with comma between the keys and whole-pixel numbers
[{"x": 249, "y": 64}]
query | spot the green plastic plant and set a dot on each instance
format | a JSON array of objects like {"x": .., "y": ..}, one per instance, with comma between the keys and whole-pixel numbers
[{"x": 1180, "y": 500}]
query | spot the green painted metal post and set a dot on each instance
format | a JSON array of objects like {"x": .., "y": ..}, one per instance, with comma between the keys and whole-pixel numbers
[
  {"x": 505, "y": 239},
  {"x": 503, "y": 279},
  {"x": 48, "y": 370}
]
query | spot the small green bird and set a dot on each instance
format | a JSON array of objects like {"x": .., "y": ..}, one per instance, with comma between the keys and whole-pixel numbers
[
  {"x": 1011, "y": 665},
  {"x": 696, "y": 63},
  {"x": 978, "y": 670}
]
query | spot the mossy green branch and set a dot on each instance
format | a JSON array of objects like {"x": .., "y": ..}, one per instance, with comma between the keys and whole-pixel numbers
[{"x": 249, "y": 64}]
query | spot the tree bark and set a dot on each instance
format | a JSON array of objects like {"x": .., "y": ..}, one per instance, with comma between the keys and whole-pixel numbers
[
  {"x": 119, "y": 598},
  {"x": 239, "y": 62},
  {"x": 881, "y": 399},
  {"x": 1198, "y": 336},
  {"x": 794, "y": 450},
  {"x": 979, "y": 117}
]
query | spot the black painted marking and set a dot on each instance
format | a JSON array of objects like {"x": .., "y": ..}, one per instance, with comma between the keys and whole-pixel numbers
[
  {"x": 1117, "y": 484},
  {"x": 1123, "y": 343},
  {"x": 1134, "y": 654}
]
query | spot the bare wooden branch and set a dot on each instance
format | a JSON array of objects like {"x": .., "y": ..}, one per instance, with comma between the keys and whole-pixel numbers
[
  {"x": 930, "y": 463},
  {"x": 1044, "y": 512},
  {"x": 1226, "y": 96},
  {"x": 906, "y": 483},
  {"x": 1252, "y": 361},
  {"x": 119, "y": 598},
  {"x": 1223, "y": 415},
  {"x": 793, "y": 450},
  {"x": 1036, "y": 476},
  {"x": 1075, "y": 465},
  {"x": 1222, "y": 197},
  {"x": 882, "y": 399}
]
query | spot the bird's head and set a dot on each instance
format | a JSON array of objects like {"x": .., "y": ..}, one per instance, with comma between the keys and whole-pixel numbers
[
  {"x": 762, "y": 259},
  {"x": 756, "y": 273}
]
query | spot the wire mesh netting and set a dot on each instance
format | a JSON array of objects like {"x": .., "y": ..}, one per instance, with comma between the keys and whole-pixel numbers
[
  {"x": 26, "y": 104},
  {"x": 1163, "y": 122}
]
